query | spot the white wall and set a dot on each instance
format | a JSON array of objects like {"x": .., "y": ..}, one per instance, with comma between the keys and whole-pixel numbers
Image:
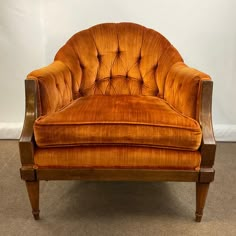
[
  {"x": 202, "y": 30},
  {"x": 20, "y": 52}
]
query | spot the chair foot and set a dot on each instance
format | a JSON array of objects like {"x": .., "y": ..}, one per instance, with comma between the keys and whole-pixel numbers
[
  {"x": 33, "y": 193},
  {"x": 36, "y": 215},
  {"x": 198, "y": 218},
  {"x": 201, "y": 194}
]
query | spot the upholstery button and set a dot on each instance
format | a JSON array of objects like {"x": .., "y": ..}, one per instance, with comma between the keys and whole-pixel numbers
[
  {"x": 118, "y": 51},
  {"x": 99, "y": 56}
]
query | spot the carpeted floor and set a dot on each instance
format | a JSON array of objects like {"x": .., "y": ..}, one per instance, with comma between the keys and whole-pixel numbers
[{"x": 121, "y": 208}]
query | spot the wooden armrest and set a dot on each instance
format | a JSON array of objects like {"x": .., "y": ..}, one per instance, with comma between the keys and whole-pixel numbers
[
  {"x": 26, "y": 142},
  {"x": 208, "y": 146}
]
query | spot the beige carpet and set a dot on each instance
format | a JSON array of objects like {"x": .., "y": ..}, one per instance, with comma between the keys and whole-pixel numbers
[{"x": 121, "y": 208}]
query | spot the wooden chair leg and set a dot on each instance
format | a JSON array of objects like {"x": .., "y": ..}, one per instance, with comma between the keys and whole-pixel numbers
[
  {"x": 33, "y": 192},
  {"x": 201, "y": 194}
]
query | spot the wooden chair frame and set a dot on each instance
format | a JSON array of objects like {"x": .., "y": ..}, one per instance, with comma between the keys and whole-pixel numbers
[{"x": 32, "y": 175}]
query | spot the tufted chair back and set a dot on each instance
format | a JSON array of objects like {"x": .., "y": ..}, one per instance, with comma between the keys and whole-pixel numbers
[{"x": 118, "y": 59}]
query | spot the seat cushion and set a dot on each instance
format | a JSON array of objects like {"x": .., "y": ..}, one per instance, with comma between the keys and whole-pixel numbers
[
  {"x": 117, "y": 157},
  {"x": 122, "y": 119}
]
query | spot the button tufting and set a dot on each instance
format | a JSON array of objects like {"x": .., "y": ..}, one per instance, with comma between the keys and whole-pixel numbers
[
  {"x": 99, "y": 56},
  {"x": 118, "y": 51}
]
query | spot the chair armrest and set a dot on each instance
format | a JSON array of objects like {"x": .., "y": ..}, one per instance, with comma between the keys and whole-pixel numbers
[
  {"x": 46, "y": 90},
  {"x": 190, "y": 92},
  {"x": 26, "y": 142},
  {"x": 208, "y": 146},
  {"x": 182, "y": 89},
  {"x": 54, "y": 87}
]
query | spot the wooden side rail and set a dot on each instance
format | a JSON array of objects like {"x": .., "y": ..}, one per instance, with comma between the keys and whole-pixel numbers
[
  {"x": 208, "y": 146},
  {"x": 26, "y": 142}
]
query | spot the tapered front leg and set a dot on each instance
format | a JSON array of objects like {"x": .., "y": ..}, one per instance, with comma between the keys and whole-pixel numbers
[
  {"x": 201, "y": 195},
  {"x": 33, "y": 192}
]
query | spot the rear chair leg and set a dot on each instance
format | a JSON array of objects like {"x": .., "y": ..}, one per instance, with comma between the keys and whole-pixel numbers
[
  {"x": 201, "y": 194},
  {"x": 33, "y": 192}
]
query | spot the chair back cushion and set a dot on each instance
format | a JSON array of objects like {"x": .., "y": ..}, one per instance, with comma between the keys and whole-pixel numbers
[{"x": 118, "y": 59}]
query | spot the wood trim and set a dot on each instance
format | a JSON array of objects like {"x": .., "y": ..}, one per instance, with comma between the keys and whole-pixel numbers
[
  {"x": 28, "y": 173},
  {"x": 206, "y": 175},
  {"x": 32, "y": 173},
  {"x": 117, "y": 174},
  {"x": 26, "y": 142},
  {"x": 208, "y": 146}
]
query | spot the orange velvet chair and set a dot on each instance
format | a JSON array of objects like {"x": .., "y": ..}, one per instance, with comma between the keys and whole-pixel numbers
[{"x": 118, "y": 103}]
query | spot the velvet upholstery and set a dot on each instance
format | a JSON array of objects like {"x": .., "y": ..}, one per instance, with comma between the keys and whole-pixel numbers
[
  {"x": 122, "y": 58},
  {"x": 182, "y": 88},
  {"x": 54, "y": 82},
  {"x": 118, "y": 84},
  {"x": 118, "y": 119},
  {"x": 114, "y": 59},
  {"x": 116, "y": 157}
]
